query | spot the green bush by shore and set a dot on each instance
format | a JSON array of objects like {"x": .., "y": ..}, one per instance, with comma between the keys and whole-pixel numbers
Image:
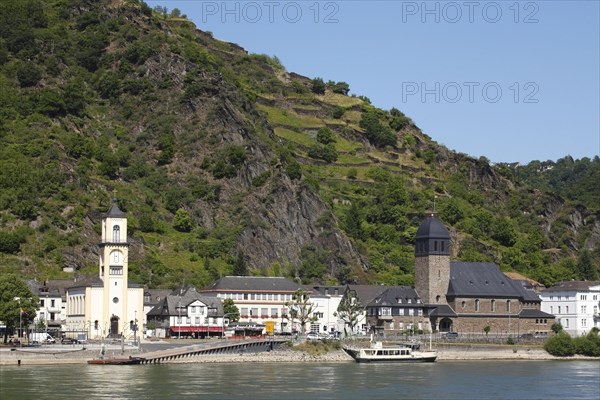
[{"x": 563, "y": 345}]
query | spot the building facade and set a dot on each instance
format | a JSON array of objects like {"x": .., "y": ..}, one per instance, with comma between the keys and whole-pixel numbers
[
  {"x": 187, "y": 313},
  {"x": 107, "y": 305},
  {"x": 259, "y": 299},
  {"x": 575, "y": 304}
]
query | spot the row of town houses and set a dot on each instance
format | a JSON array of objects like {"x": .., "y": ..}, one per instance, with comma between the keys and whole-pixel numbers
[
  {"x": 448, "y": 296},
  {"x": 188, "y": 312}
]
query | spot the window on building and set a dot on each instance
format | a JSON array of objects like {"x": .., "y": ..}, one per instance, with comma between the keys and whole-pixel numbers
[
  {"x": 254, "y": 311},
  {"x": 551, "y": 309},
  {"x": 566, "y": 323},
  {"x": 583, "y": 297},
  {"x": 274, "y": 313},
  {"x": 197, "y": 320},
  {"x": 559, "y": 298},
  {"x": 435, "y": 245},
  {"x": 42, "y": 303},
  {"x": 189, "y": 320},
  {"x": 116, "y": 234},
  {"x": 245, "y": 296},
  {"x": 551, "y": 297},
  {"x": 178, "y": 320},
  {"x": 264, "y": 312},
  {"x": 411, "y": 311},
  {"x": 477, "y": 305},
  {"x": 566, "y": 309},
  {"x": 116, "y": 270},
  {"x": 437, "y": 298},
  {"x": 583, "y": 309},
  {"x": 463, "y": 304},
  {"x": 96, "y": 324},
  {"x": 583, "y": 322},
  {"x": 508, "y": 305},
  {"x": 558, "y": 309},
  {"x": 595, "y": 297},
  {"x": 420, "y": 312},
  {"x": 193, "y": 309},
  {"x": 244, "y": 312},
  {"x": 386, "y": 311},
  {"x": 52, "y": 315},
  {"x": 493, "y": 305},
  {"x": 595, "y": 310}
]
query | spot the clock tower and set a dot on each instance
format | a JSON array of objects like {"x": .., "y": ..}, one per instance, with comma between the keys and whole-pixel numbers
[{"x": 114, "y": 254}]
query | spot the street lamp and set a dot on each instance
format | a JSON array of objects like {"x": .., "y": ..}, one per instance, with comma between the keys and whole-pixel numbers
[{"x": 135, "y": 321}]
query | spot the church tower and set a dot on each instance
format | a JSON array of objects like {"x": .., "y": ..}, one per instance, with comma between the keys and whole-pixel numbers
[
  {"x": 432, "y": 261},
  {"x": 114, "y": 253}
]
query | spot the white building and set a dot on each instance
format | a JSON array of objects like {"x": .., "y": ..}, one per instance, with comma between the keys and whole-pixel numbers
[
  {"x": 50, "y": 315},
  {"x": 325, "y": 301},
  {"x": 186, "y": 313},
  {"x": 107, "y": 304},
  {"x": 259, "y": 299},
  {"x": 575, "y": 304}
]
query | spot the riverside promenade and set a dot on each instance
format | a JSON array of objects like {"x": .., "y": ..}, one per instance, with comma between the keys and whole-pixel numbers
[{"x": 215, "y": 352}]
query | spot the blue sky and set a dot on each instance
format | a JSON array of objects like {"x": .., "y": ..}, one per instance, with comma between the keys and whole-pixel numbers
[{"x": 508, "y": 80}]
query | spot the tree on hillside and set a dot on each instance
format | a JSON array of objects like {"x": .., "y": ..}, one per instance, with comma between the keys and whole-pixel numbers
[
  {"x": 239, "y": 267},
  {"x": 231, "y": 310},
  {"x": 18, "y": 304},
  {"x": 300, "y": 309},
  {"x": 318, "y": 86},
  {"x": 350, "y": 310},
  {"x": 585, "y": 267}
]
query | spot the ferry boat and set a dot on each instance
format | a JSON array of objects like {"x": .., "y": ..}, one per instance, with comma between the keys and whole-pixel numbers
[{"x": 406, "y": 352}]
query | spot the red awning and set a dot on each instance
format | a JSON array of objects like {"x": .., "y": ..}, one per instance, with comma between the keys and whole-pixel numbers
[{"x": 196, "y": 329}]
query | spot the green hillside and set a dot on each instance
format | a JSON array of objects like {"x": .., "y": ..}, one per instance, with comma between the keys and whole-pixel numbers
[{"x": 226, "y": 163}]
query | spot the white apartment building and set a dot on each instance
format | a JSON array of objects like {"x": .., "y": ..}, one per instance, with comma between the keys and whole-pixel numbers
[
  {"x": 259, "y": 299},
  {"x": 325, "y": 301},
  {"x": 575, "y": 304}
]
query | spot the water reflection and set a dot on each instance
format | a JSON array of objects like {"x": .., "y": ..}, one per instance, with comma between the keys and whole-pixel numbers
[{"x": 443, "y": 380}]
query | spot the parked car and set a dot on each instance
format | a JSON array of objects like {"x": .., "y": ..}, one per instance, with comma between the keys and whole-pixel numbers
[
  {"x": 451, "y": 335},
  {"x": 526, "y": 336},
  {"x": 313, "y": 336}
]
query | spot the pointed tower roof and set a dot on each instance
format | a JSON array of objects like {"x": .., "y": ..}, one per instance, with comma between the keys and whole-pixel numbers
[
  {"x": 115, "y": 211},
  {"x": 432, "y": 228}
]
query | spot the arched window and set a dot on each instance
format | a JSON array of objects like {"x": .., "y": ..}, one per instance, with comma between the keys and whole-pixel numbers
[
  {"x": 437, "y": 298},
  {"x": 116, "y": 234},
  {"x": 493, "y": 305},
  {"x": 464, "y": 304},
  {"x": 508, "y": 305},
  {"x": 477, "y": 305}
]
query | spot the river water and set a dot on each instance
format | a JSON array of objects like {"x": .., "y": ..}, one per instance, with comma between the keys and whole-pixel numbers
[{"x": 462, "y": 380}]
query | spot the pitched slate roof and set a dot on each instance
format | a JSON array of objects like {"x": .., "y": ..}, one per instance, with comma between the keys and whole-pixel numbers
[
  {"x": 367, "y": 293},
  {"x": 572, "y": 286},
  {"x": 469, "y": 279},
  {"x": 252, "y": 284},
  {"x": 317, "y": 290},
  {"x": 396, "y": 296},
  {"x": 156, "y": 296},
  {"x": 443, "y": 310},
  {"x": 531, "y": 313}
]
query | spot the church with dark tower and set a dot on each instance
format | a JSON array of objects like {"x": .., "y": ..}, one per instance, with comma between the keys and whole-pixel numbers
[{"x": 455, "y": 296}]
